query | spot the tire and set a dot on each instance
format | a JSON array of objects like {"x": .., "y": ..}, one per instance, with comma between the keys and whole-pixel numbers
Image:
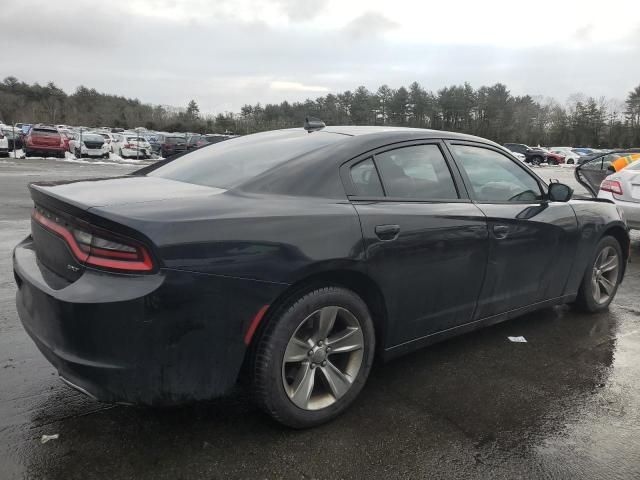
[
  {"x": 120, "y": 153},
  {"x": 571, "y": 161},
  {"x": 274, "y": 381},
  {"x": 592, "y": 287},
  {"x": 536, "y": 161}
]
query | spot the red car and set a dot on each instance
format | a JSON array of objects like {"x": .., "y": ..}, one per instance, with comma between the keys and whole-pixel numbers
[
  {"x": 44, "y": 140},
  {"x": 554, "y": 158}
]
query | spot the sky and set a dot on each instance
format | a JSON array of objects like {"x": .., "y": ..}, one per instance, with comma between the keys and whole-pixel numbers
[{"x": 227, "y": 53}]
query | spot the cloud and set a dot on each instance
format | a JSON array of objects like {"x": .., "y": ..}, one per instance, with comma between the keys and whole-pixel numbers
[
  {"x": 224, "y": 62},
  {"x": 296, "y": 87},
  {"x": 301, "y": 10},
  {"x": 369, "y": 24}
]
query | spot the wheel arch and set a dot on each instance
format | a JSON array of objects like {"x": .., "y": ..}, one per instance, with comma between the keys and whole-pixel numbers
[
  {"x": 358, "y": 282},
  {"x": 620, "y": 234}
]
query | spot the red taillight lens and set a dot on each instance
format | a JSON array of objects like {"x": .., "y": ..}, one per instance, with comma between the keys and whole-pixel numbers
[
  {"x": 98, "y": 249},
  {"x": 612, "y": 186}
]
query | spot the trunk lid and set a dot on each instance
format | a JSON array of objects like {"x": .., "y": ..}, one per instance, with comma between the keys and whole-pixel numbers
[
  {"x": 45, "y": 138},
  {"x": 70, "y": 204}
]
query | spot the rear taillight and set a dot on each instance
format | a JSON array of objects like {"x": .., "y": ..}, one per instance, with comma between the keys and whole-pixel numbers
[
  {"x": 98, "y": 249},
  {"x": 612, "y": 186}
]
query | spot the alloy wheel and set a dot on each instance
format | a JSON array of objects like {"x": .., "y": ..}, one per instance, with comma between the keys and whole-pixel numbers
[
  {"x": 604, "y": 277},
  {"x": 322, "y": 358}
]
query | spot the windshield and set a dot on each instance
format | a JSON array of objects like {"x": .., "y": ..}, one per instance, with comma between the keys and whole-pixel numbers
[
  {"x": 92, "y": 137},
  {"x": 235, "y": 161}
]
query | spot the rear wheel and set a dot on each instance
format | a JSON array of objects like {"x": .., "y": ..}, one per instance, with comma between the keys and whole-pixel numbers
[
  {"x": 601, "y": 280},
  {"x": 120, "y": 153},
  {"x": 536, "y": 160},
  {"x": 314, "y": 357}
]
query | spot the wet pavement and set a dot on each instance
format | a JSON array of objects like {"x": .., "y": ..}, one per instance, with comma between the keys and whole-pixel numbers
[{"x": 564, "y": 405}]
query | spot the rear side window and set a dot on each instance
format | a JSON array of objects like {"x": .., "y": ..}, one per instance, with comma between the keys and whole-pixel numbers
[
  {"x": 365, "y": 179},
  {"x": 418, "y": 171},
  {"x": 496, "y": 178}
]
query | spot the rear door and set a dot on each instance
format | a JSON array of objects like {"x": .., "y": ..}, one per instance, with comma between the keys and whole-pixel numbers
[
  {"x": 532, "y": 240},
  {"x": 426, "y": 243}
]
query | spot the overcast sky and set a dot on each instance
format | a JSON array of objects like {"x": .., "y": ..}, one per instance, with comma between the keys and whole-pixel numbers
[{"x": 225, "y": 53}]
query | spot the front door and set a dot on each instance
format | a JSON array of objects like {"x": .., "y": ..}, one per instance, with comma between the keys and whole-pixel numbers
[{"x": 531, "y": 239}]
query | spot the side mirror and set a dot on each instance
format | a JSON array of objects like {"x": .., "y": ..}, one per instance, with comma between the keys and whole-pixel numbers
[{"x": 559, "y": 192}]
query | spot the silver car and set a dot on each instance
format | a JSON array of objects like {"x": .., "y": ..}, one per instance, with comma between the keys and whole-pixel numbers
[{"x": 623, "y": 188}]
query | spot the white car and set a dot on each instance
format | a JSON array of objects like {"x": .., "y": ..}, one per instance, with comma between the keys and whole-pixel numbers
[
  {"x": 623, "y": 188},
  {"x": 89, "y": 145},
  {"x": 108, "y": 139},
  {"x": 4, "y": 145},
  {"x": 570, "y": 157},
  {"x": 130, "y": 146}
]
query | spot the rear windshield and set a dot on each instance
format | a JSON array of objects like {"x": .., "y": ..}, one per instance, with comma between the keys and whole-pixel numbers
[
  {"x": 237, "y": 160},
  {"x": 135, "y": 139},
  {"x": 45, "y": 132},
  {"x": 174, "y": 140},
  {"x": 92, "y": 137}
]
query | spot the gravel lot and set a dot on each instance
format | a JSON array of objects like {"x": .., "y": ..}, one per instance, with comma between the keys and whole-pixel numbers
[{"x": 564, "y": 405}]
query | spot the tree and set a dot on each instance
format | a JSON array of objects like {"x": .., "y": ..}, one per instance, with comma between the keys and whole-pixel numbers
[
  {"x": 193, "y": 111},
  {"x": 633, "y": 114}
]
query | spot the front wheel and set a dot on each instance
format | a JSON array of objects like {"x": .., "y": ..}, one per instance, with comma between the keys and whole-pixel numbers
[
  {"x": 602, "y": 278},
  {"x": 314, "y": 357}
]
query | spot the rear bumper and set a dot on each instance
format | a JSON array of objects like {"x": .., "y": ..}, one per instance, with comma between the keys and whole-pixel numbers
[
  {"x": 130, "y": 152},
  {"x": 46, "y": 148},
  {"x": 163, "y": 339}
]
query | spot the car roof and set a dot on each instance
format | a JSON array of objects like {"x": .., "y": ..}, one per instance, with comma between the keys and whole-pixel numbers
[{"x": 380, "y": 130}]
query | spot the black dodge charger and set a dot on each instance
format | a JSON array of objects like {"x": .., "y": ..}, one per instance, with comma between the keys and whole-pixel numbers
[{"x": 291, "y": 258}]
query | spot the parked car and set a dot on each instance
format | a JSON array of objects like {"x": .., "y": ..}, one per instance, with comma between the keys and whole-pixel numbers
[
  {"x": 623, "y": 189},
  {"x": 170, "y": 145},
  {"x": 584, "y": 151},
  {"x": 108, "y": 139},
  {"x": 591, "y": 173},
  {"x": 534, "y": 156},
  {"x": 89, "y": 144},
  {"x": 215, "y": 138},
  {"x": 44, "y": 140},
  {"x": 67, "y": 136},
  {"x": 190, "y": 269},
  {"x": 14, "y": 140},
  {"x": 129, "y": 145},
  {"x": 196, "y": 141},
  {"x": 570, "y": 157},
  {"x": 4, "y": 144}
]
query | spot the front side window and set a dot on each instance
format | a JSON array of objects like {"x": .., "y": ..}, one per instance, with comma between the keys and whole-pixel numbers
[
  {"x": 419, "y": 172},
  {"x": 494, "y": 177}
]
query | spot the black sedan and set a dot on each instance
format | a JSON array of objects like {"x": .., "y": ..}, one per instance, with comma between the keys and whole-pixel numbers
[{"x": 299, "y": 256}]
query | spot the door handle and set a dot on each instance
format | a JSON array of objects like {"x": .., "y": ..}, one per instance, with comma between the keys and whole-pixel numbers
[
  {"x": 500, "y": 231},
  {"x": 387, "y": 232}
]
